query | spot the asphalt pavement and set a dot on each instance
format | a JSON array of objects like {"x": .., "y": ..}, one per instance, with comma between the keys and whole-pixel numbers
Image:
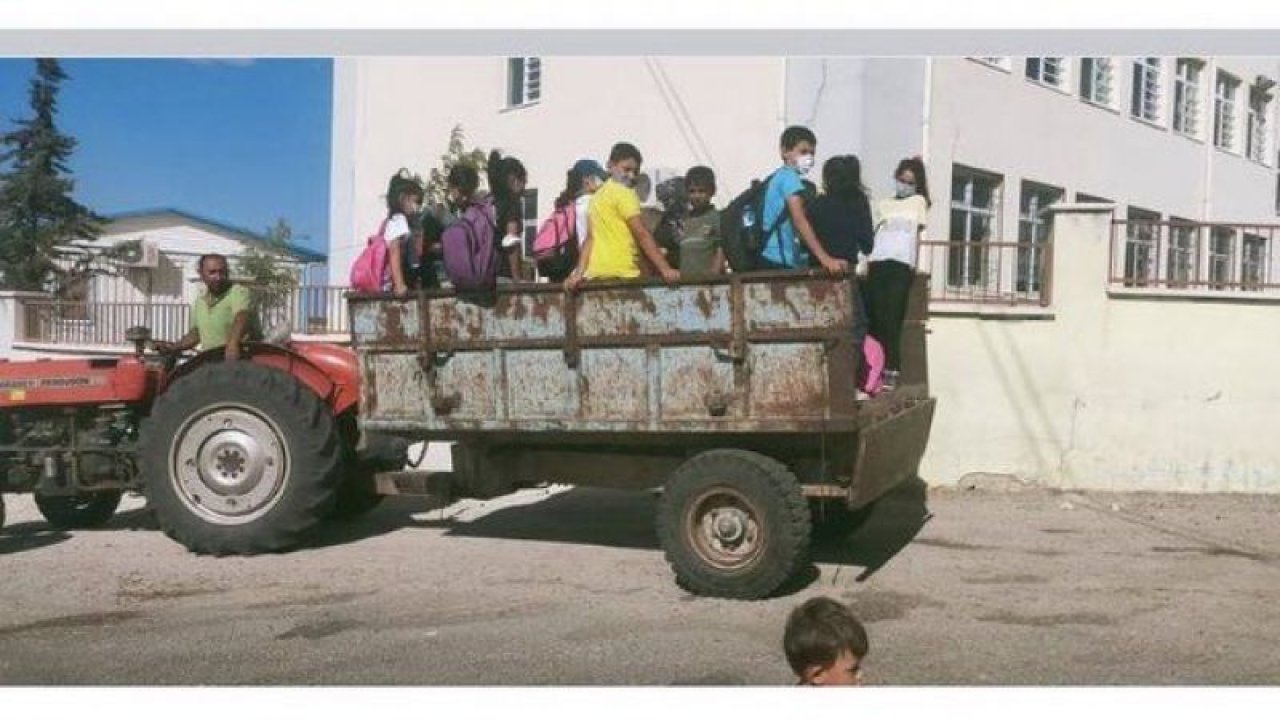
[{"x": 566, "y": 586}]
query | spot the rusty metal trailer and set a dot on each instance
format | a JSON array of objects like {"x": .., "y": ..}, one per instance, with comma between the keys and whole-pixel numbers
[{"x": 735, "y": 396}]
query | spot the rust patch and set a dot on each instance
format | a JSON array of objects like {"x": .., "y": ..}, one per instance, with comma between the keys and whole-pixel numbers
[
  {"x": 637, "y": 296},
  {"x": 821, "y": 291},
  {"x": 704, "y": 303},
  {"x": 541, "y": 308},
  {"x": 392, "y": 323}
]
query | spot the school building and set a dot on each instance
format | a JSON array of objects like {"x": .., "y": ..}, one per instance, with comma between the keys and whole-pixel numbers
[{"x": 1101, "y": 241}]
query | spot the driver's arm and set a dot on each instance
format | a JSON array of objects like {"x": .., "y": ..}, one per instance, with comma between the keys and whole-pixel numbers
[{"x": 188, "y": 341}]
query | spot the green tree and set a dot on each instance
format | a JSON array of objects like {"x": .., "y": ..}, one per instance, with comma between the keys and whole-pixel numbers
[
  {"x": 271, "y": 280},
  {"x": 456, "y": 154},
  {"x": 43, "y": 230}
]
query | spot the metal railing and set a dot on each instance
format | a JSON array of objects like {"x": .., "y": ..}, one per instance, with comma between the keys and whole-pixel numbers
[
  {"x": 68, "y": 322},
  {"x": 313, "y": 310},
  {"x": 1194, "y": 257},
  {"x": 310, "y": 309},
  {"x": 988, "y": 273}
]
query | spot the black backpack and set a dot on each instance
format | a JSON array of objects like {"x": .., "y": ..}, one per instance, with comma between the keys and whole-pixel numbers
[{"x": 742, "y": 234}]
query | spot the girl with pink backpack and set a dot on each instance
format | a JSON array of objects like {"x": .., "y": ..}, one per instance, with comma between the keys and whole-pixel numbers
[{"x": 379, "y": 266}]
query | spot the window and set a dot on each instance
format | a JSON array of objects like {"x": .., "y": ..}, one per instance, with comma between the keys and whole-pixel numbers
[
  {"x": 975, "y": 207},
  {"x": 1095, "y": 80},
  {"x": 1140, "y": 246},
  {"x": 1221, "y": 242},
  {"x": 1186, "y": 96},
  {"x": 529, "y": 216},
  {"x": 1256, "y": 134},
  {"x": 1047, "y": 70},
  {"x": 524, "y": 80},
  {"x": 1224, "y": 111},
  {"x": 1184, "y": 251},
  {"x": 1253, "y": 261},
  {"x": 1145, "y": 101},
  {"x": 1087, "y": 198},
  {"x": 1034, "y": 230}
]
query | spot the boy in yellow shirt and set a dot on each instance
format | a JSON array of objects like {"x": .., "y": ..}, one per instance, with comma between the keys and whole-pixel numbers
[{"x": 617, "y": 237}]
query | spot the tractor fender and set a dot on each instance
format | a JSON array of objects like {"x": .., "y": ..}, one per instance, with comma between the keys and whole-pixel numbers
[{"x": 329, "y": 370}]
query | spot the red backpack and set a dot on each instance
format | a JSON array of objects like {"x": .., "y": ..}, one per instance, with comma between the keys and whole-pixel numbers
[{"x": 371, "y": 273}]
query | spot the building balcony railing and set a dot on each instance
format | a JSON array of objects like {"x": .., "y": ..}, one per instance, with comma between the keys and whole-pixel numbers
[
  {"x": 1194, "y": 258},
  {"x": 308, "y": 310},
  {"x": 988, "y": 273}
]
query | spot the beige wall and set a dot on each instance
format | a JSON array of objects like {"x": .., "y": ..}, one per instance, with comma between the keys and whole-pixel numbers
[{"x": 1112, "y": 392}]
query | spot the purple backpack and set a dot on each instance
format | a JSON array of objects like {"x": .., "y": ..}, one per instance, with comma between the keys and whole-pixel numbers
[{"x": 470, "y": 254}]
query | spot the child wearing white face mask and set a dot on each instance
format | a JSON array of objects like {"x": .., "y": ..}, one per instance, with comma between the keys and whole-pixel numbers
[
  {"x": 783, "y": 213},
  {"x": 899, "y": 222}
]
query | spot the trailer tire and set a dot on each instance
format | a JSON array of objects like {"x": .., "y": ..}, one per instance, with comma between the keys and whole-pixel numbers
[
  {"x": 239, "y": 459},
  {"x": 733, "y": 524},
  {"x": 77, "y": 512}
]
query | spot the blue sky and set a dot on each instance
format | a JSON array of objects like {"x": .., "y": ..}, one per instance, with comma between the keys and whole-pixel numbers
[{"x": 240, "y": 141}]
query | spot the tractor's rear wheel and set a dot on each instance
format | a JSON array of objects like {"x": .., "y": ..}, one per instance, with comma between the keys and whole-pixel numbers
[
  {"x": 239, "y": 458},
  {"x": 76, "y": 512}
]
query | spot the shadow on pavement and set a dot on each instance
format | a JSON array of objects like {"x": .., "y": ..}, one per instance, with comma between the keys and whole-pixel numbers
[
  {"x": 29, "y": 536},
  {"x": 880, "y": 532},
  {"x": 625, "y": 519}
]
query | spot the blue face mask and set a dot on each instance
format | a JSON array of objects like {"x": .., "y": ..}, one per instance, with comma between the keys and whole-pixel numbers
[{"x": 905, "y": 189}]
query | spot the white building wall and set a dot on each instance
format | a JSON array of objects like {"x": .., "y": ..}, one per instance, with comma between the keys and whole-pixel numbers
[
  {"x": 997, "y": 120},
  {"x": 398, "y": 112},
  {"x": 871, "y": 107}
]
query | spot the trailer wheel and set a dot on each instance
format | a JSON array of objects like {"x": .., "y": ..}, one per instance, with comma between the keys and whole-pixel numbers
[
  {"x": 76, "y": 512},
  {"x": 733, "y": 524},
  {"x": 239, "y": 458}
]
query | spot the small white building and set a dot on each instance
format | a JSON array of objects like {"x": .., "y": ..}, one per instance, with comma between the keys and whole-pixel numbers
[
  {"x": 154, "y": 285},
  {"x": 170, "y": 242}
]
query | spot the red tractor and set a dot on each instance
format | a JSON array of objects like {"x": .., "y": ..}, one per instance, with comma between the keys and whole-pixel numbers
[{"x": 234, "y": 457}]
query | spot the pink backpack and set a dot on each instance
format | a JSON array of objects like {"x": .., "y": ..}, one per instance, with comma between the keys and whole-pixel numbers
[
  {"x": 370, "y": 273},
  {"x": 557, "y": 233},
  {"x": 873, "y": 365}
]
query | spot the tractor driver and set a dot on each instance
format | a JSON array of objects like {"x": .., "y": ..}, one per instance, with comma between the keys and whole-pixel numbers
[{"x": 221, "y": 316}]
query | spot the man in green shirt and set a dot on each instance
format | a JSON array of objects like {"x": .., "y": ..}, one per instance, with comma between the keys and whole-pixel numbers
[{"x": 221, "y": 317}]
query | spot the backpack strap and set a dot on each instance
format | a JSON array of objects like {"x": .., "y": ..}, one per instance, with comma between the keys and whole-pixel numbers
[{"x": 783, "y": 216}]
